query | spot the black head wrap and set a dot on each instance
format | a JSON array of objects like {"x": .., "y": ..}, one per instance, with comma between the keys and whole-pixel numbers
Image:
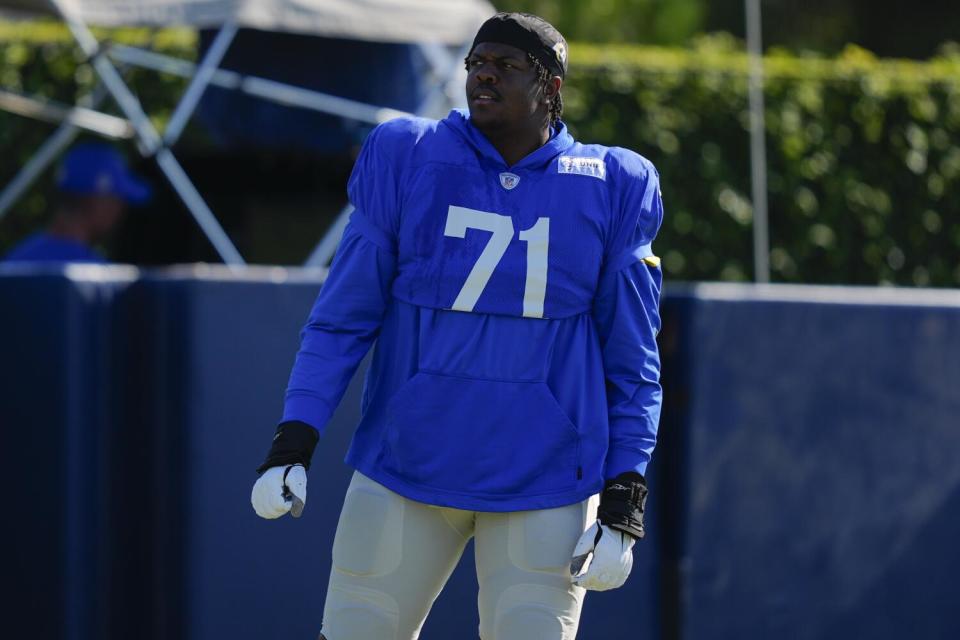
[{"x": 529, "y": 33}]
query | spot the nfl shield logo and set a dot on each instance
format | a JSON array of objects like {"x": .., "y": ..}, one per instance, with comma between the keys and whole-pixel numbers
[{"x": 509, "y": 180}]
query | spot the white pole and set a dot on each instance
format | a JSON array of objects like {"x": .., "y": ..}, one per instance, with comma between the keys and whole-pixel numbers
[
  {"x": 199, "y": 83},
  {"x": 263, "y": 88},
  {"x": 198, "y": 208},
  {"x": 758, "y": 151},
  {"x": 81, "y": 117}
]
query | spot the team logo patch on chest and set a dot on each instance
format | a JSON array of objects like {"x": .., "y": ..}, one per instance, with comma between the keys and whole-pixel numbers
[
  {"x": 509, "y": 180},
  {"x": 592, "y": 167}
]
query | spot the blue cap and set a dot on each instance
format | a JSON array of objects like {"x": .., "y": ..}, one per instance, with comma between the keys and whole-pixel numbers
[{"x": 99, "y": 169}]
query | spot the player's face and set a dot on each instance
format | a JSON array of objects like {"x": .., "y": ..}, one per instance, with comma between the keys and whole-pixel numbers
[
  {"x": 104, "y": 213},
  {"x": 503, "y": 91}
]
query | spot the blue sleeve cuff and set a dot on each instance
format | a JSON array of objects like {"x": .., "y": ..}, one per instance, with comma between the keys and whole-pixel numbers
[
  {"x": 308, "y": 408},
  {"x": 622, "y": 460}
]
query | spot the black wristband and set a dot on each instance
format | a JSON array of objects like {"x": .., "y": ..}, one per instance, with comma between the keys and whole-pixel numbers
[
  {"x": 622, "y": 503},
  {"x": 293, "y": 443}
]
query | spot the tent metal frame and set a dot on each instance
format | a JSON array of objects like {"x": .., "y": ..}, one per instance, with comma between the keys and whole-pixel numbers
[
  {"x": 758, "y": 149},
  {"x": 150, "y": 143}
]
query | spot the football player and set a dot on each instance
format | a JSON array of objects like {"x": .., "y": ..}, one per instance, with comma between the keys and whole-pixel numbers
[{"x": 504, "y": 274}]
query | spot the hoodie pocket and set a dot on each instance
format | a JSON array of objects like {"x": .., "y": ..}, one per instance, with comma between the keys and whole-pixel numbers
[{"x": 475, "y": 436}]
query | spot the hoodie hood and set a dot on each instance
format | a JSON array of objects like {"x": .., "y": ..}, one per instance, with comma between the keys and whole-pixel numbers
[{"x": 560, "y": 140}]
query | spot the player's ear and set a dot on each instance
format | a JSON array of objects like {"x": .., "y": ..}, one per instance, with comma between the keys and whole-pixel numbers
[{"x": 552, "y": 88}]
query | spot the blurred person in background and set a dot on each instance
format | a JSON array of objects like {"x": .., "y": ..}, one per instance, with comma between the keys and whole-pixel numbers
[
  {"x": 506, "y": 274},
  {"x": 94, "y": 187}
]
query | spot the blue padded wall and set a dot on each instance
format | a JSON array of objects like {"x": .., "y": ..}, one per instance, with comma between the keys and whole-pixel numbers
[
  {"x": 219, "y": 352},
  {"x": 57, "y": 364},
  {"x": 819, "y": 463}
]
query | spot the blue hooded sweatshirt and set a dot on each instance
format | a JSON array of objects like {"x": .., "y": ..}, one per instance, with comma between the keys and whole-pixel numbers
[{"x": 514, "y": 312}]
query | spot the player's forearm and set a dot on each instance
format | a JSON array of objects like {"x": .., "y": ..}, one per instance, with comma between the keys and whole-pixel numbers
[
  {"x": 627, "y": 318},
  {"x": 343, "y": 325},
  {"x": 317, "y": 382},
  {"x": 634, "y": 399},
  {"x": 633, "y": 437},
  {"x": 325, "y": 363}
]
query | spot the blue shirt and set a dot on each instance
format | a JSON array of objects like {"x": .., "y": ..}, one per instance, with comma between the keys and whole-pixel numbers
[
  {"x": 44, "y": 247},
  {"x": 514, "y": 311}
]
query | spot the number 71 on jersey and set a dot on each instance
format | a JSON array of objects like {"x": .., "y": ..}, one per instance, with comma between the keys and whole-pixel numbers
[{"x": 537, "y": 237}]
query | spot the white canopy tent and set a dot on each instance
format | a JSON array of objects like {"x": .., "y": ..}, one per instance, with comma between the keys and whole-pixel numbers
[
  {"x": 440, "y": 21},
  {"x": 433, "y": 25}
]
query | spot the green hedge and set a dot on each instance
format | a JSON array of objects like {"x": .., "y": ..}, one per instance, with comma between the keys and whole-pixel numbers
[
  {"x": 863, "y": 154},
  {"x": 863, "y": 158}
]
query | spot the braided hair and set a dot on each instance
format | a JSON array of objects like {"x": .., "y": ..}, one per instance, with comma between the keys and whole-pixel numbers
[{"x": 543, "y": 76}]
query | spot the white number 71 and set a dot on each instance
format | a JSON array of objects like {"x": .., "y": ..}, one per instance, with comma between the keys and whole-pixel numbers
[{"x": 537, "y": 237}]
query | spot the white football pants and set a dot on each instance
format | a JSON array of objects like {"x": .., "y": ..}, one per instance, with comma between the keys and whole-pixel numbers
[{"x": 392, "y": 556}]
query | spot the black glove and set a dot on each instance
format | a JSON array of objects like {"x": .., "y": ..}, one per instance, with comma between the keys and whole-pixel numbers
[
  {"x": 293, "y": 443},
  {"x": 622, "y": 503}
]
